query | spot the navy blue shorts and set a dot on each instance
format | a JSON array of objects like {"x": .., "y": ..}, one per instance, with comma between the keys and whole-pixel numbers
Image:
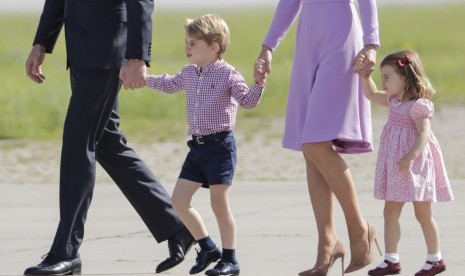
[{"x": 211, "y": 159}]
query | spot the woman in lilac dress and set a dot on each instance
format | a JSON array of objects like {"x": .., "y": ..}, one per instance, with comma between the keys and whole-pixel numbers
[{"x": 327, "y": 113}]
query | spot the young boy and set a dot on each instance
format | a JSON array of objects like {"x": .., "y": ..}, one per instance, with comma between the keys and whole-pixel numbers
[{"x": 214, "y": 90}]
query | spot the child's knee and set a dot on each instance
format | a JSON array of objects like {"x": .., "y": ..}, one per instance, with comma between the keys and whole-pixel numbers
[
  {"x": 219, "y": 207},
  {"x": 423, "y": 216},
  {"x": 179, "y": 203}
]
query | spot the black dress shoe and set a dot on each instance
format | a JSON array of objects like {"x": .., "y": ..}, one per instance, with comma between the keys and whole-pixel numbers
[
  {"x": 204, "y": 259},
  {"x": 224, "y": 268},
  {"x": 54, "y": 266},
  {"x": 178, "y": 245}
]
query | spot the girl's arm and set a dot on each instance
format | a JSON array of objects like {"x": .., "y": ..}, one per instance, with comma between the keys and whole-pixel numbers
[
  {"x": 423, "y": 126},
  {"x": 371, "y": 91}
]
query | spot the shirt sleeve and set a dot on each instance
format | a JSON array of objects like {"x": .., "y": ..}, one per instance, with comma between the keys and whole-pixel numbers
[
  {"x": 284, "y": 16},
  {"x": 166, "y": 83},
  {"x": 369, "y": 19},
  {"x": 422, "y": 108},
  {"x": 247, "y": 98}
]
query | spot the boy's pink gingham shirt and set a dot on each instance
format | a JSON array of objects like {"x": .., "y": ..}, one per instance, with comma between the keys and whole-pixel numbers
[{"x": 212, "y": 93}]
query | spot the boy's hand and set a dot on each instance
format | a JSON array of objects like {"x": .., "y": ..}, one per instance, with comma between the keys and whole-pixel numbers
[{"x": 260, "y": 72}]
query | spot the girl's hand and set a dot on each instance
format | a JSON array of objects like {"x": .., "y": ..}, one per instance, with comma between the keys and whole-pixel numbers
[
  {"x": 357, "y": 63},
  {"x": 405, "y": 164}
]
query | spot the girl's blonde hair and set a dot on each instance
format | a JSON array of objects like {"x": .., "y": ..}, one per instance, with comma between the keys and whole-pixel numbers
[
  {"x": 209, "y": 28},
  {"x": 407, "y": 63}
]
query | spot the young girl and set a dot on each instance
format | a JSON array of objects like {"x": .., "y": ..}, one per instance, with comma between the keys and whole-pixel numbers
[
  {"x": 410, "y": 167},
  {"x": 214, "y": 90}
]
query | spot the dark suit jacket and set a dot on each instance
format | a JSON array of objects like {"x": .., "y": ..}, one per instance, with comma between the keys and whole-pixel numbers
[{"x": 99, "y": 33}]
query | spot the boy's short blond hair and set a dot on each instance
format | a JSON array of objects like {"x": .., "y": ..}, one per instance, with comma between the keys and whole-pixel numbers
[{"x": 209, "y": 28}]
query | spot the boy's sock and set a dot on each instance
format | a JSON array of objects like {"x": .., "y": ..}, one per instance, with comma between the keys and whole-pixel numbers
[
  {"x": 229, "y": 255},
  {"x": 206, "y": 244}
]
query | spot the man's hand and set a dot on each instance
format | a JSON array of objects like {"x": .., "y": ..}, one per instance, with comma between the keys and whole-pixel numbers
[
  {"x": 133, "y": 74},
  {"x": 34, "y": 62}
]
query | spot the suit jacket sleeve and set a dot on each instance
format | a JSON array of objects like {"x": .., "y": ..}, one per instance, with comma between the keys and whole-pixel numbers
[
  {"x": 50, "y": 24},
  {"x": 139, "y": 23}
]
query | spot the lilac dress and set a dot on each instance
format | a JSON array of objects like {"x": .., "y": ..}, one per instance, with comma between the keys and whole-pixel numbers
[
  {"x": 325, "y": 101},
  {"x": 427, "y": 180}
]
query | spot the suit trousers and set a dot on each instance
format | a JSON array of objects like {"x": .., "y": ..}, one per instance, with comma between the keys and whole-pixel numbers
[{"x": 91, "y": 134}]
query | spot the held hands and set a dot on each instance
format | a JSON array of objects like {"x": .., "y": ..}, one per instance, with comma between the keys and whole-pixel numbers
[
  {"x": 266, "y": 56},
  {"x": 34, "y": 62},
  {"x": 365, "y": 61},
  {"x": 262, "y": 66},
  {"x": 133, "y": 74}
]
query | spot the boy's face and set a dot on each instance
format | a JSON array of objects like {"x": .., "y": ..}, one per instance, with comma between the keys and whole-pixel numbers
[{"x": 199, "y": 52}]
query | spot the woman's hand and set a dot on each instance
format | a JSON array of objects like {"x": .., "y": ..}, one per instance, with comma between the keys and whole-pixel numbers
[
  {"x": 365, "y": 61},
  {"x": 266, "y": 55}
]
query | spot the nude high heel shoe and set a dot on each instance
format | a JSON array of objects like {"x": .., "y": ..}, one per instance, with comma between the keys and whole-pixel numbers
[
  {"x": 322, "y": 270},
  {"x": 361, "y": 263}
]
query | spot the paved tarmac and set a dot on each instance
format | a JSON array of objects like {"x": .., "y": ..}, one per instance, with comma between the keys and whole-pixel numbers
[{"x": 275, "y": 226}]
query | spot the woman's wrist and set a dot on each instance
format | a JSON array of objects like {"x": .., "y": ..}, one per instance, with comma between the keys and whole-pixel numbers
[
  {"x": 372, "y": 46},
  {"x": 266, "y": 48}
]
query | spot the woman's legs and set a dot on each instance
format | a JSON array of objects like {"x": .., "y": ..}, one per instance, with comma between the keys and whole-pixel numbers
[
  {"x": 181, "y": 201},
  {"x": 223, "y": 214},
  {"x": 338, "y": 178},
  {"x": 321, "y": 198}
]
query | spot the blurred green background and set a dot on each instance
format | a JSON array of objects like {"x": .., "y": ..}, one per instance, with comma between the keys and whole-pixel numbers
[{"x": 29, "y": 110}]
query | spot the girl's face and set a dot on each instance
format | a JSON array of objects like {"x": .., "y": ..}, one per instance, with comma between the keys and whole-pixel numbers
[
  {"x": 393, "y": 83},
  {"x": 199, "y": 52}
]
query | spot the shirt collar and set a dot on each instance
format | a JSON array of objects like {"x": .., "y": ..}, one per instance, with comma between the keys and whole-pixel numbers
[{"x": 209, "y": 67}]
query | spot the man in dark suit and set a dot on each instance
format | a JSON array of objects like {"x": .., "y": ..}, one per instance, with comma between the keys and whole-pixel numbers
[{"x": 106, "y": 40}]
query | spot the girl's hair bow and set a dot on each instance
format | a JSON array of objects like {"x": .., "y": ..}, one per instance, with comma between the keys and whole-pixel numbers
[{"x": 403, "y": 61}]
